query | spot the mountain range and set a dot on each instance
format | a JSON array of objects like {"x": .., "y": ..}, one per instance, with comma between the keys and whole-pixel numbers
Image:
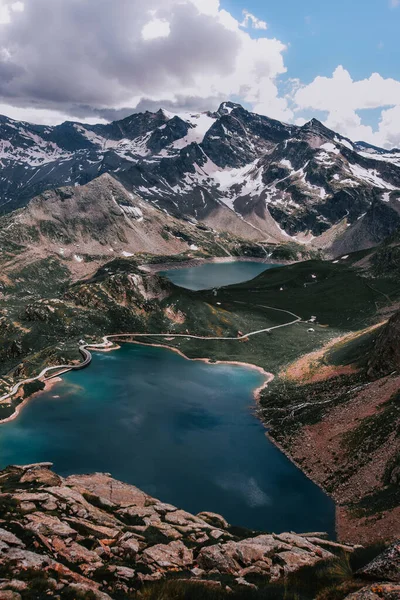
[
  {"x": 231, "y": 170},
  {"x": 90, "y": 215}
]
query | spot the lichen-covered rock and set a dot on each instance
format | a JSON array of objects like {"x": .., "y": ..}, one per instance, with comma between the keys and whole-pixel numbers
[
  {"x": 169, "y": 556},
  {"x": 378, "y": 591},
  {"x": 289, "y": 552},
  {"x": 9, "y": 595},
  {"x": 10, "y": 539},
  {"x": 48, "y": 525},
  {"x": 386, "y": 567},
  {"x": 93, "y": 536},
  {"x": 213, "y": 519},
  {"x": 104, "y": 486}
]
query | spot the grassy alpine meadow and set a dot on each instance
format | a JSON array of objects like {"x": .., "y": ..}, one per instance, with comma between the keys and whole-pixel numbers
[{"x": 45, "y": 314}]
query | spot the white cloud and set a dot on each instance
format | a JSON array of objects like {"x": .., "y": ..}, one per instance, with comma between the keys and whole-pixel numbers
[
  {"x": 389, "y": 127},
  {"x": 43, "y": 116},
  {"x": 7, "y": 8},
  {"x": 252, "y": 21},
  {"x": 394, "y": 3},
  {"x": 17, "y": 6},
  {"x": 207, "y": 7},
  {"x": 157, "y": 28},
  {"x": 329, "y": 93},
  {"x": 267, "y": 102},
  {"x": 342, "y": 97}
]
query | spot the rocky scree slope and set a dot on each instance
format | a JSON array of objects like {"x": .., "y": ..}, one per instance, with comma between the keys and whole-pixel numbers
[
  {"x": 337, "y": 413},
  {"x": 88, "y": 225},
  {"x": 91, "y": 534},
  {"x": 232, "y": 169}
]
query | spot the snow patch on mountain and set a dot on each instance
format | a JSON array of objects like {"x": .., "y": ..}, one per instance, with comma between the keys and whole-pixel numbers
[
  {"x": 344, "y": 142},
  {"x": 201, "y": 123},
  {"x": 389, "y": 157},
  {"x": 329, "y": 147},
  {"x": 370, "y": 176}
]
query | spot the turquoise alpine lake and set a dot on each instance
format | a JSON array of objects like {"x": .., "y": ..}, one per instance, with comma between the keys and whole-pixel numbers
[
  {"x": 183, "y": 431},
  {"x": 211, "y": 275}
]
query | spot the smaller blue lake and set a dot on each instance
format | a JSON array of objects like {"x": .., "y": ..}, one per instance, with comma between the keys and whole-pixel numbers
[{"x": 211, "y": 275}]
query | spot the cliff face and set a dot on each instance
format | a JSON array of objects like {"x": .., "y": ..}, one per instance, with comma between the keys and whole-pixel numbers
[
  {"x": 91, "y": 534},
  {"x": 386, "y": 356}
]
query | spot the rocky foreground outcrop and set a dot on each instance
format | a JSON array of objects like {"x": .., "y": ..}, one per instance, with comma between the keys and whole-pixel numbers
[{"x": 91, "y": 534}]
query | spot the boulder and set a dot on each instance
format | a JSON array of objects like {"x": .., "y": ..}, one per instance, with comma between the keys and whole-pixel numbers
[
  {"x": 77, "y": 554},
  {"x": 378, "y": 591},
  {"x": 48, "y": 525},
  {"x": 25, "y": 559},
  {"x": 9, "y": 595},
  {"x": 140, "y": 515},
  {"x": 129, "y": 544},
  {"x": 167, "y": 556},
  {"x": 89, "y": 528},
  {"x": 10, "y": 539},
  {"x": 105, "y": 486},
  {"x": 86, "y": 591},
  {"x": 163, "y": 508},
  {"x": 125, "y": 573},
  {"x": 78, "y": 505},
  {"x": 40, "y": 475},
  {"x": 185, "y": 519},
  {"x": 217, "y": 558},
  {"x": 296, "y": 559},
  {"x": 385, "y": 567},
  {"x": 213, "y": 519}
]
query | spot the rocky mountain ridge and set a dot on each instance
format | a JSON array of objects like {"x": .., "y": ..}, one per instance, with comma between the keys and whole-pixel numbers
[
  {"x": 232, "y": 169},
  {"x": 92, "y": 224},
  {"x": 84, "y": 227},
  {"x": 90, "y": 536}
]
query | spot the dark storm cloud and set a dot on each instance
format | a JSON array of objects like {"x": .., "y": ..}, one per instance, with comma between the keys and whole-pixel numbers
[
  {"x": 88, "y": 56},
  {"x": 181, "y": 104}
]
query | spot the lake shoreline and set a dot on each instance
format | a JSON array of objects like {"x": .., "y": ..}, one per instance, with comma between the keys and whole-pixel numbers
[
  {"x": 198, "y": 262},
  {"x": 269, "y": 377},
  {"x": 296, "y": 464},
  {"x": 49, "y": 382},
  {"x": 48, "y": 385}
]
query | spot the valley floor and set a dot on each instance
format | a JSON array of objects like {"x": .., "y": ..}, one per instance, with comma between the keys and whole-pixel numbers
[{"x": 276, "y": 309}]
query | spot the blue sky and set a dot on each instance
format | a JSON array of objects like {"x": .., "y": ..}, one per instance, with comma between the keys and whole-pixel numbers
[{"x": 362, "y": 35}]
